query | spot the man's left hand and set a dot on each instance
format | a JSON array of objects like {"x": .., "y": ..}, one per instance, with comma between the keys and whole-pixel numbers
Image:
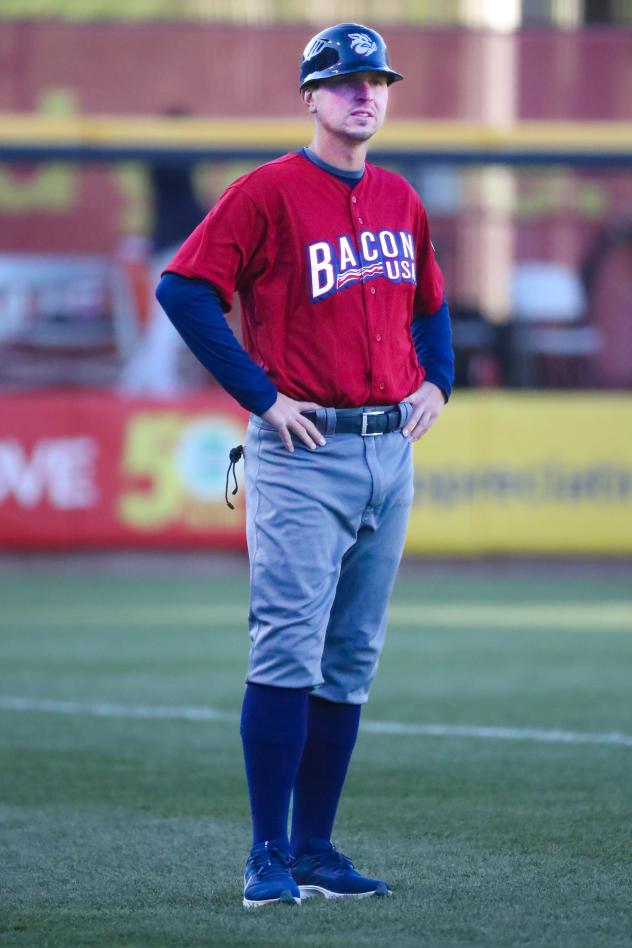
[{"x": 427, "y": 404}]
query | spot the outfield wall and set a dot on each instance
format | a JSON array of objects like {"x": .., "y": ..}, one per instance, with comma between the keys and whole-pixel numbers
[
  {"x": 525, "y": 473},
  {"x": 501, "y": 472}
]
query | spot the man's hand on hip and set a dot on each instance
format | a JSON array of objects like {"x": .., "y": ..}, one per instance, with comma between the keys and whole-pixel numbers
[
  {"x": 427, "y": 402},
  {"x": 285, "y": 416}
]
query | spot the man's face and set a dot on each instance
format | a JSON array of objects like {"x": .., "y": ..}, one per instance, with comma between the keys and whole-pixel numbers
[{"x": 350, "y": 106}]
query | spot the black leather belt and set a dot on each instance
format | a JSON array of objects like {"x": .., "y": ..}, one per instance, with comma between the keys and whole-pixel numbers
[{"x": 367, "y": 422}]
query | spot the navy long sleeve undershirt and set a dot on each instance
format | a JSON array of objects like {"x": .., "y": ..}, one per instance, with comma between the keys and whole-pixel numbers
[
  {"x": 432, "y": 336},
  {"x": 195, "y": 310}
]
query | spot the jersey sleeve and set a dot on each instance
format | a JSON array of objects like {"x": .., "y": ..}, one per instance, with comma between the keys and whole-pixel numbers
[
  {"x": 430, "y": 288},
  {"x": 224, "y": 246}
]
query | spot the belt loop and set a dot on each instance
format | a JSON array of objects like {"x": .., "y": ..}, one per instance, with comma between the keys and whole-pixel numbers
[
  {"x": 405, "y": 411},
  {"x": 330, "y": 420}
]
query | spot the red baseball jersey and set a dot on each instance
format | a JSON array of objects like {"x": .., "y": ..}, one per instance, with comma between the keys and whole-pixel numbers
[{"x": 328, "y": 276}]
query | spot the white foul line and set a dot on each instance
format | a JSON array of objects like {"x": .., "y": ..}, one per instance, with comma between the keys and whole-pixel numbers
[
  {"x": 372, "y": 727},
  {"x": 117, "y": 710},
  {"x": 498, "y": 733}
]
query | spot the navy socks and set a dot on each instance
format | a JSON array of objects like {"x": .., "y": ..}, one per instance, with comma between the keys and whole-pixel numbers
[
  {"x": 295, "y": 742},
  {"x": 273, "y": 731},
  {"x": 332, "y": 729}
]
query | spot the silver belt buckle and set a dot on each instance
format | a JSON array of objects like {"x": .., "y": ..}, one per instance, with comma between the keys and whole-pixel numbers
[{"x": 370, "y": 434}]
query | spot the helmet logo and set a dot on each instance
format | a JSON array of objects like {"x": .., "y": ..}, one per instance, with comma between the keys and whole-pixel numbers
[
  {"x": 362, "y": 44},
  {"x": 315, "y": 47}
]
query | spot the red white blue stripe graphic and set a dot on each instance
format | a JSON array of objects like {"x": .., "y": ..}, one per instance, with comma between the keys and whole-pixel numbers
[{"x": 358, "y": 273}]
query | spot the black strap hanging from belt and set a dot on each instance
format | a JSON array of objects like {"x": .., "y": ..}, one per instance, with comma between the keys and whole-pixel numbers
[{"x": 235, "y": 455}]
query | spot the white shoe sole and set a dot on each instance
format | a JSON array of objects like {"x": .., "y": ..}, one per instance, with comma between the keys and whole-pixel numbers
[
  {"x": 307, "y": 891},
  {"x": 285, "y": 899}
]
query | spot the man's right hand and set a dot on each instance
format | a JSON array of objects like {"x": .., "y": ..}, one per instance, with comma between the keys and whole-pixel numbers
[{"x": 285, "y": 416}]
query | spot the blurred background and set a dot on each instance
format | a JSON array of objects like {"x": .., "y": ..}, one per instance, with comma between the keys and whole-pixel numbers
[
  {"x": 498, "y": 735},
  {"x": 122, "y": 123}
]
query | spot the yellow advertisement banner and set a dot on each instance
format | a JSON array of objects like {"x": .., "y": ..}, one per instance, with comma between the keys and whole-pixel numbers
[{"x": 525, "y": 473}]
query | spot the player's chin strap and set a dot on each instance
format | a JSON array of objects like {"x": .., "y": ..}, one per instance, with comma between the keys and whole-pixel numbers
[{"x": 235, "y": 455}]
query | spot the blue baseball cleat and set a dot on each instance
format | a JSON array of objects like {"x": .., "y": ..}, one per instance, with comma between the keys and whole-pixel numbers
[
  {"x": 267, "y": 877},
  {"x": 322, "y": 870}
]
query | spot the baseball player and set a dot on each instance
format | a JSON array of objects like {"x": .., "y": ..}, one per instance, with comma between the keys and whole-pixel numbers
[{"x": 346, "y": 363}]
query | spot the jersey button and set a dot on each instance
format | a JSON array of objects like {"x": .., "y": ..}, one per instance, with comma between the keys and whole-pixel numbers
[
  {"x": 354, "y": 199},
  {"x": 373, "y": 290},
  {"x": 378, "y": 337},
  {"x": 382, "y": 386},
  {"x": 360, "y": 221}
]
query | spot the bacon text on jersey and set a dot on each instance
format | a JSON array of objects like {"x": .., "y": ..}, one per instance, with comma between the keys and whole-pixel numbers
[{"x": 333, "y": 267}]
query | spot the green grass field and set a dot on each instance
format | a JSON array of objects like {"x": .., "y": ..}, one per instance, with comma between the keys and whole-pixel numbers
[{"x": 120, "y": 827}]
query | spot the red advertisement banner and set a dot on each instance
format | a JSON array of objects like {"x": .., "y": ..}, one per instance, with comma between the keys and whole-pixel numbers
[{"x": 99, "y": 470}]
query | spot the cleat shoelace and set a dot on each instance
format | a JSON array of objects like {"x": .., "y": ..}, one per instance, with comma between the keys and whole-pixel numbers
[
  {"x": 333, "y": 860},
  {"x": 271, "y": 862}
]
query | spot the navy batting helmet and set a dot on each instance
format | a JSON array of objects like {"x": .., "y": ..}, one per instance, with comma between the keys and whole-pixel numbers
[{"x": 343, "y": 49}]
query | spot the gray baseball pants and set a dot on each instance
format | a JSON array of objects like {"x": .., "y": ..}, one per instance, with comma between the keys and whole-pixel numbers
[{"x": 325, "y": 531}]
